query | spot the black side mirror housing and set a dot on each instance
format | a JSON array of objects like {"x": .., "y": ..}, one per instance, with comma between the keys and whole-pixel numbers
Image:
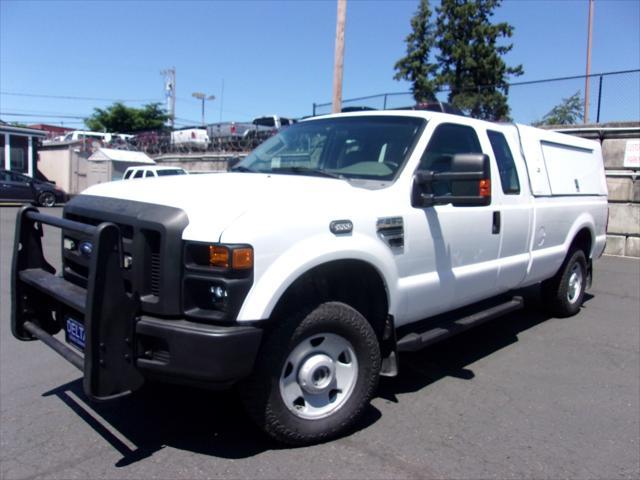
[{"x": 468, "y": 181}]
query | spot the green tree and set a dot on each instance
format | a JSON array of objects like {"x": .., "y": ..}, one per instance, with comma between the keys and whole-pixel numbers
[
  {"x": 118, "y": 118},
  {"x": 568, "y": 112},
  {"x": 415, "y": 66},
  {"x": 470, "y": 59}
]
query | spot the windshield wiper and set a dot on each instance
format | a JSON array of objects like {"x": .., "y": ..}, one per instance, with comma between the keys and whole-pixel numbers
[
  {"x": 308, "y": 171},
  {"x": 242, "y": 168}
]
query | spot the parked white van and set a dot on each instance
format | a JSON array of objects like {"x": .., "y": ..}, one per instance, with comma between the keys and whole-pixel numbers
[
  {"x": 97, "y": 136},
  {"x": 142, "y": 171}
]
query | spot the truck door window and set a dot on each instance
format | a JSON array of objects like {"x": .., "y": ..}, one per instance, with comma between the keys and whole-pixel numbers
[
  {"x": 448, "y": 140},
  {"x": 506, "y": 165},
  {"x": 138, "y": 174},
  {"x": 148, "y": 173}
]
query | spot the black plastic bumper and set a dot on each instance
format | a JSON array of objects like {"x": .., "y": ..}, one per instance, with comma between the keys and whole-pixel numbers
[
  {"x": 183, "y": 351},
  {"x": 121, "y": 347}
]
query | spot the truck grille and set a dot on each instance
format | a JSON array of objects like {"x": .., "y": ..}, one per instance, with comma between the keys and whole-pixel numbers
[
  {"x": 140, "y": 245},
  {"x": 151, "y": 237}
]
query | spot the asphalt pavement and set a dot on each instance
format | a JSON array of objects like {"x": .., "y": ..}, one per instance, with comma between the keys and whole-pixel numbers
[{"x": 524, "y": 396}]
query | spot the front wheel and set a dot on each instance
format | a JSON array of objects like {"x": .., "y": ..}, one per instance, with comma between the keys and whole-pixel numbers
[
  {"x": 315, "y": 375},
  {"x": 563, "y": 294},
  {"x": 47, "y": 199}
]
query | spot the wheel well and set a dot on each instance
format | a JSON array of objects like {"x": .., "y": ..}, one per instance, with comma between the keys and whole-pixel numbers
[
  {"x": 353, "y": 282},
  {"x": 583, "y": 242}
]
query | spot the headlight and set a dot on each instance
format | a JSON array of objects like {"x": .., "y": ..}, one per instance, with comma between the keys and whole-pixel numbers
[
  {"x": 228, "y": 257},
  {"x": 236, "y": 258},
  {"x": 217, "y": 278}
]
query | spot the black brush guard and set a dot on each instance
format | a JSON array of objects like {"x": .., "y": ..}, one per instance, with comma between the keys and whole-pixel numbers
[{"x": 41, "y": 300}]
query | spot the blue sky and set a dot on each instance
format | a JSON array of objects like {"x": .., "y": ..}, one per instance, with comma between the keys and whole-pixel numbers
[{"x": 277, "y": 57}]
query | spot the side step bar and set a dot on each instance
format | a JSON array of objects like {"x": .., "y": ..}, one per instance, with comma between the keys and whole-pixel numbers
[{"x": 443, "y": 329}]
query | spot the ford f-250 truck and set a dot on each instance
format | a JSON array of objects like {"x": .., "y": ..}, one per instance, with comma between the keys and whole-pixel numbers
[{"x": 301, "y": 275}]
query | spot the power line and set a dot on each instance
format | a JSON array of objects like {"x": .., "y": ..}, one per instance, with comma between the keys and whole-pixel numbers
[
  {"x": 11, "y": 114},
  {"x": 43, "y": 112},
  {"x": 70, "y": 97},
  {"x": 194, "y": 122}
]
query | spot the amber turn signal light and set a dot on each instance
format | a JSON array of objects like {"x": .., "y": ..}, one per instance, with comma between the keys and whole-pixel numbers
[
  {"x": 219, "y": 256},
  {"x": 485, "y": 188},
  {"x": 242, "y": 258}
]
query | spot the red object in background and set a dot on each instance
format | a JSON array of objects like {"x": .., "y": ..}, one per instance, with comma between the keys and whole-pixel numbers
[{"x": 52, "y": 130}]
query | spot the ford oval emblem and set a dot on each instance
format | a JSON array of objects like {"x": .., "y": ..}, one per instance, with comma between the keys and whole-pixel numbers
[{"x": 86, "y": 248}]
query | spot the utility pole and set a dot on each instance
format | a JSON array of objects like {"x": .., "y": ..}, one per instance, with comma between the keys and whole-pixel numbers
[
  {"x": 221, "y": 99},
  {"x": 202, "y": 97},
  {"x": 339, "y": 57},
  {"x": 170, "y": 92},
  {"x": 587, "y": 78}
]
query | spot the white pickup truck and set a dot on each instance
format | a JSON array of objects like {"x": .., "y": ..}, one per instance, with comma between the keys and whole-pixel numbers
[{"x": 302, "y": 274}]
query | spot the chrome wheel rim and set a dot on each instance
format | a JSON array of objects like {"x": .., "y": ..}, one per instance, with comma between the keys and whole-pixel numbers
[
  {"x": 319, "y": 376},
  {"x": 575, "y": 283}
]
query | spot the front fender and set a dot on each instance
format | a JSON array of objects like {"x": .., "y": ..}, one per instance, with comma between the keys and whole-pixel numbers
[{"x": 310, "y": 253}]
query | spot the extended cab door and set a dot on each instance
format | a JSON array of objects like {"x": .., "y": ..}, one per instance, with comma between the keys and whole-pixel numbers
[
  {"x": 455, "y": 249},
  {"x": 513, "y": 207}
]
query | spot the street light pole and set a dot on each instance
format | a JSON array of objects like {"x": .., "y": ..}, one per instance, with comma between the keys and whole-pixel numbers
[{"x": 202, "y": 97}]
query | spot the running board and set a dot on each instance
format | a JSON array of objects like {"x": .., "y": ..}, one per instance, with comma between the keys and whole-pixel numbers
[{"x": 442, "y": 329}]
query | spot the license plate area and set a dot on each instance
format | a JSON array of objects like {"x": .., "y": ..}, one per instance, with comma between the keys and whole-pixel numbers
[{"x": 75, "y": 333}]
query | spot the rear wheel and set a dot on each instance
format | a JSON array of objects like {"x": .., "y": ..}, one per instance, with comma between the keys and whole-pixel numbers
[
  {"x": 563, "y": 294},
  {"x": 315, "y": 375},
  {"x": 47, "y": 199}
]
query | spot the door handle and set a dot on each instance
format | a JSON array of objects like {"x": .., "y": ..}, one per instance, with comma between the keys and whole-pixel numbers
[{"x": 495, "y": 229}]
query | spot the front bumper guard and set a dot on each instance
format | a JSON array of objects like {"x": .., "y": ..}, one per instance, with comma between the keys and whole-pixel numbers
[
  {"x": 121, "y": 346},
  {"x": 40, "y": 301}
]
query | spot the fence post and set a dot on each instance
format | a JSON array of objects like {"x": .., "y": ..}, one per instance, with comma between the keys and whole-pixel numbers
[{"x": 599, "y": 99}]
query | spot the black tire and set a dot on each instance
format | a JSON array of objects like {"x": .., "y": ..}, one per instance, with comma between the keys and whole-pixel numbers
[
  {"x": 563, "y": 294},
  {"x": 47, "y": 199},
  {"x": 261, "y": 392}
]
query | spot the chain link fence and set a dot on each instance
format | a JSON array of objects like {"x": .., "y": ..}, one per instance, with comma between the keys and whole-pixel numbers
[{"x": 613, "y": 97}]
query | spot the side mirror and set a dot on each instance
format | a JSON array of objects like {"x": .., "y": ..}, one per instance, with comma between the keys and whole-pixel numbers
[{"x": 468, "y": 183}]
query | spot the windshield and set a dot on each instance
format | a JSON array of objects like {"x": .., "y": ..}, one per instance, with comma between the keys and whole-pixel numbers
[
  {"x": 164, "y": 173},
  {"x": 367, "y": 147}
]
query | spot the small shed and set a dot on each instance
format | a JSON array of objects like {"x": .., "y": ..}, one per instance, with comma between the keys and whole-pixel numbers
[{"x": 108, "y": 164}]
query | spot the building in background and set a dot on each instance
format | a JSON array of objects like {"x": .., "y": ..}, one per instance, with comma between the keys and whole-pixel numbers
[
  {"x": 52, "y": 131},
  {"x": 19, "y": 148},
  {"x": 65, "y": 163},
  {"x": 107, "y": 164}
]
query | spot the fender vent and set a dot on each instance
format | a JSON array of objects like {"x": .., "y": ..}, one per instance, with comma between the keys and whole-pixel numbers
[
  {"x": 391, "y": 231},
  {"x": 155, "y": 274}
]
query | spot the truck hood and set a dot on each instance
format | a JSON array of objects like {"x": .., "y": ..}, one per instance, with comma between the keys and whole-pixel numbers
[{"x": 213, "y": 201}]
